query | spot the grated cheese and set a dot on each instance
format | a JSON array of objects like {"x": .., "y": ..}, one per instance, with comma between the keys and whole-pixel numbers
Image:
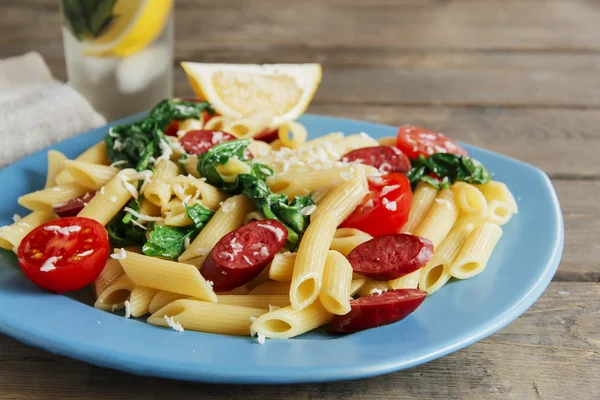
[
  {"x": 264, "y": 251},
  {"x": 261, "y": 338},
  {"x": 210, "y": 283},
  {"x": 391, "y": 205},
  {"x": 16, "y": 217},
  {"x": 376, "y": 180},
  {"x": 118, "y": 163},
  {"x": 134, "y": 222},
  {"x": 308, "y": 210},
  {"x": 227, "y": 207},
  {"x": 278, "y": 232},
  {"x": 202, "y": 251},
  {"x": 376, "y": 291},
  {"x": 130, "y": 188},
  {"x": 85, "y": 253},
  {"x": 186, "y": 243},
  {"x": 49, "y": 264},
  {"x": 23, "y": 224},
  {"x": 369, "y": 204},
  {"x": 111, "y": 132},
  {"x": 247, "y": 259},
  {"x": 62, "y": 230},
  {"x": 102, "y": 190},
  {"x": 176, "y": 326},
  {"x": 112, "y": 199},
  {"x": 388, "y": 189},
  {"x": 225, "y": 254},
  {"x": 385, "y": 167},
  {"x": 166, "y": 151},
  {"x": 142, "y": 217},
  {"x": 117, "y": 145},
  {"x": 273, "y": 308},
  {"x": 120, "y": 255},
  {"x": 445, "y": 202},
  {"x": 127, "y": 309},
  {"x": 146, "y": 182}
]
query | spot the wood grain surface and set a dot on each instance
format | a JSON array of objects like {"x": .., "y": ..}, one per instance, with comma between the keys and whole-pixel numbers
[{"x": 520, "y": 77}]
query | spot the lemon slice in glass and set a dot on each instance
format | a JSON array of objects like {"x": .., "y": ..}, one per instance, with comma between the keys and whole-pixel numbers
[
  {"x": 134, "y": 25},
  {"x": 238, "y": 90}
]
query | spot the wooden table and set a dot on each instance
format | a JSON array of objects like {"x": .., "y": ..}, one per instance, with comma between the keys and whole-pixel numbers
[{"x": 520, "y": 77}]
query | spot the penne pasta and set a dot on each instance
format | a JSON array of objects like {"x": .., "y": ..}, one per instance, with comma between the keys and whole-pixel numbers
[
  {"x": 114, "y": 296},
  {"x": 337, "y": 280},
  {"x": 371, "y": 286},
  {"x": 11, "y": 235},
  {"x": 282, "y": 267},
  {"x": 110, "y": 273},
  {"x": 469, "y": 199},
  {"x": 140, "y": 299},
  {"x": 475, "y": 253},
  {"x": 200, "y": 316},
  {"x": 310, "y": 261},
  {"x": 158, "y": 191},
  {"x": 45, "y": 199},
  {"x": 162, "y": 298},
  {"x": 292, "y": 135},
  {"x": 271, "y": 287},
  {"x": 440, "y": 218},
  {"x": 56, "y": 161},
  {"x": 423, "y": 198},
  {"x": 166, "y": 275},
  {"x": 346, "y": 239},
  {"x": 264, "y": 301},
  {"x": 91, "y": 176},
  {"x": 287, "y": 322}
]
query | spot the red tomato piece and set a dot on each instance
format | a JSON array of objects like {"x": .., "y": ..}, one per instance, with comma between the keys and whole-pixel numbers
[
  {"x": 384, "y": 158},
  {"x": 414, "y": 141},
  {"x": 72, "y": 207},
  {"x": 65, "y": 254},
  {"x": 199, "y": 142},
  {"x": 385, "y": 209},
  {"x": 172, "y": 128}
]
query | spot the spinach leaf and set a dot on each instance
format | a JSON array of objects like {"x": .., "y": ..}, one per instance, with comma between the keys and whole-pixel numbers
[
  {"x": 121, "y": 231},
  {"x": 448, "y": 168},
  {"x": 167, "y": 241},
  {"x": 199, "y": 215},
  {"x": 220, "y": 155},
  {"x": 137, "y": 143}
]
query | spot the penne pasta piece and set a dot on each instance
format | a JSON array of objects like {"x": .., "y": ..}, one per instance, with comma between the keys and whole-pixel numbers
[
  {"x": 200, "y": 316},
  {"x": 409, "y": 281},
  {"x": 300, "y": 183},
  {"x": 189, "y": 165},
  {"x": 372, "y": 286},
  {"x": 228, "y": 217},
  {"x": 56, "y": 160},
  {"x": 249, "y": 126},
  {"x": 232, "y": 169},
  {"x": 264, "y": 301},
  {"x": 253, "y": 216},
  {"x": 188, "y": 188},
  {"x": 214, "y": 124},
  {"x": 282, "y": 267},
  {"x": 436, "y": 273},
  {"x": 162, "y": 298},
  {"x": 475, "y": 253},
  {"x": 258, "y": 148},
  {"x": 108, "y": 202},
  {"x": 110, "y": 273},
  {"x": 11, "y": 235},
  {"x": 271, "y": 287},
  {"x": 292, "y": 134},
  {"x": 147, "y": 208},
  {"x": 113, "y": 297},
  {"x": 310, "y": 260},
  {"x": 45, "y": 199},
  {"x": 353, "y": 142},
  {"x": 345, "y": 197},
  {"x": 91, "y": 176},
  {"x": 329, "y": 138},
  {"x": 423, "y": 197},
  {"x": 469, "y": 199},
  {"x": 346, "y": 239},
  {"x": 495, "y": 190},
  {"x": 95, "y": 155},
  {"x": 288, "y": 322},
  {"x": 387, "y": 141},
  {"x": 140, "y": 299},
  {"x": 167, "y": 275},
  {"x": 440, "y": 218},
  {"x": 158, "y": 191},
  {"x": 356, "y": 284},
  {"x": 336, "y": 288}
]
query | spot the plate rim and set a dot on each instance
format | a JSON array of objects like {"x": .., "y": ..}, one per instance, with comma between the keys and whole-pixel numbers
[{"x": 140, "y": 365}]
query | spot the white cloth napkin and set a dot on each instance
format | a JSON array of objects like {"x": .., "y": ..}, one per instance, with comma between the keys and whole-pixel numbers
[{"x": 36, "y": 110}]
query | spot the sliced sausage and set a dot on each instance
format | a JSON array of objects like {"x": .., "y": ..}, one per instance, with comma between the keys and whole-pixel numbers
[
  {"x": 384, "y": 158},
  {"x": 200, "y": 141},
  {"x": 72, "y": 207},
  {"x": 241, "y": 255},
  {"x": 391, "y": 256},
  {"x": 378, "y": 310}
]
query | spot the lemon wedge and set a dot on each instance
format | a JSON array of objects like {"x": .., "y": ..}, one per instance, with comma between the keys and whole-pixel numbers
[
  {"x": 136, "y": 24},
  {"x": 238, "y": 90}
]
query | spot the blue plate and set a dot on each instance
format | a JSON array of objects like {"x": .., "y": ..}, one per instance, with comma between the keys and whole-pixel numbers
[{"x": 459, "y": 314}]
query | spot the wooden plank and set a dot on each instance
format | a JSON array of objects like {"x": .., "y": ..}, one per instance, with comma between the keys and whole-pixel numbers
[
  {"x": 550, "y": 352},
  {"x": 557, "y": 141}
]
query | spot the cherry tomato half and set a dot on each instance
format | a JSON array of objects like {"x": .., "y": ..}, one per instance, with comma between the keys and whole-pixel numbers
[
  {"x": 65, "y": 254},
  {"x": 385, "y": 209},
  {"x": 414, "y": 141},
  {"x": 72, "y": 207},
  {"x": 173, "y": 127},
  {"x": 268, "y": 135}
]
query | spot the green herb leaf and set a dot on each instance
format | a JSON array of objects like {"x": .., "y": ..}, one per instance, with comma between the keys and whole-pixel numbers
[
  {"x": 138, "y": 142},
  {"x": 199, "y": 215},
  {"x": 220, "y": 155},
  {"x": 166, "y": 241},
  {"x": 121, "y": 231},
  {"x": 448, "y": 168}
]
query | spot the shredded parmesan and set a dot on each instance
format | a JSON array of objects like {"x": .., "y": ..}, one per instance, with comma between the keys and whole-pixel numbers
[
  {"x": 264, "y": 251},
  {"x": 391, "y": 205},
  {"x": 210, "y": 283},
  {"x": 247, "y": 259},
  {"x": 277, "y": 231},
  {"x": 62, "y": 230},
  {"x": 142, "y": 217},
  {"x": 118, "y": 163},
  {"x": 273, "y": 308},
  {"x": 445, "y": 202},
  {"x": 117, "y": 145},
  {"x": 16, "y": 217},
  {"x": 146, "y": 182},
  {"x": 308, "y": 210},
  {"x": 121, "y": 255},
  {"x": 102, "y": 190},
  {"x": 113, "y": 199},
  {"x": 376, "y": 291},
  {"x": 49, "y": 264},
  {"x": 201, "y": 251},
  {"x": 130, "y": 188},
  {"x": 186, "y": 243},
  {"x": 227, "y": 207},
  {"x": 388, "y": 189},
  {"x": 385, "y": 167},
  {"x": 369, "y": 204},
  {"x": 261, "y": 338},
  {"x": 173, "y": 324},
  {"x": 127, "y": 309},
  {"x": 376, "y": 180},
  {"x": 166, "y": 151},
  {"x": 134, "y": 222},
  {"x": 85, "y": 253}
]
